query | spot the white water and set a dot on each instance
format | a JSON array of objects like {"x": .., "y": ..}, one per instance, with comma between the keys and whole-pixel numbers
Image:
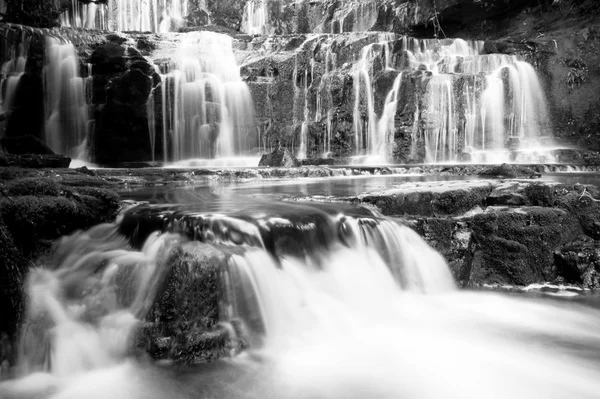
[
  {"x": 367, "y": 139},
  {"x": 209, "y": 108},
  {"x": 468, "y": 106},
  {"x": 508, "y": 103},
  {"x": 128, "y": 15},
  {"x": 255, "y": 17},
  {"x": 66, "y": 107},
  {"x": 374, "y": 313}
]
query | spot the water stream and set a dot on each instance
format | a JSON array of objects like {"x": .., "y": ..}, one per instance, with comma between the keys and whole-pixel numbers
[{"x": 335, "y": 302}]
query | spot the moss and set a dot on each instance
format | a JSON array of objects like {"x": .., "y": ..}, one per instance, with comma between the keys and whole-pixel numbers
[
  {"x": 36, "y": 209},
  {"x": 540, "y": 194},
  {"x": 186, "y": 311},
  {"x": 459, "y": 201},
  {"x": 32, "y": 186}
]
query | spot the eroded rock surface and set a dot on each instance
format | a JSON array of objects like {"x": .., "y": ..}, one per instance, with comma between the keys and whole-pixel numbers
[{"x": 514, "y": 232}]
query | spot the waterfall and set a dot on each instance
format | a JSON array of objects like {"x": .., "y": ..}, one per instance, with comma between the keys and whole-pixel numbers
[
  {"x": 66, "y": 108},
  {"x": 367, "y": 139},
  {"x": 255, "y": 17},
  {"x": 209, "y": 107},
  {"x": 82, "y": 15},
  {"x": 334, "y": 301},
  {"x": 128, "y": 15},
  {"x": 475, "y": 107}
]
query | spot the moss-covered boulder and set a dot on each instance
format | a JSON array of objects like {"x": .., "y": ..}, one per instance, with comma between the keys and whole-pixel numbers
[
  {"x": 182, "y": 324},
  {"x": 36, "y": 208}
]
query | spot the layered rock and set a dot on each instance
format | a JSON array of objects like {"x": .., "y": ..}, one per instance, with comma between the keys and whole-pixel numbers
[{"x": 514, "y": 232}]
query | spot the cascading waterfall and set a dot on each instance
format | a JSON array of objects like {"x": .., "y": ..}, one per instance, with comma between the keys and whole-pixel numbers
[
  {"x": 207, "y": 108},
  {"x": 66, "y": 108},
  {"x": 368, "y": 140},
  {"x": 340, "y": 303},
  {"x": 479, "y": 108},
  {"x": 255, "y": 17},
  {"x": 85, "y": 15},
  {"x": 128, "y": 15}
]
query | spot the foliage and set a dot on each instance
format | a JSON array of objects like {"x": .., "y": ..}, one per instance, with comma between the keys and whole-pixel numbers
[{"x": 577, "y": 73}]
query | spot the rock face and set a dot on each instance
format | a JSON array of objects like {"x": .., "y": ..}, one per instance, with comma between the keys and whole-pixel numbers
[
  {"x": 515, "y": 232},
  {"x": 304, "y": 85},
  {"x": 123, "y": 82}
]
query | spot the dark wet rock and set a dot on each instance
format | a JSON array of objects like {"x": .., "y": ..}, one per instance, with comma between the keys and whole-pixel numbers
[
  {"x": 3, "y": 159},
  {"x": 132, "y": 89},
  {"x": 318, "y": 162},
  {"x": 38, "y": 161},
  {"x": 578, "y": 262},
  {"x": 183, "y": 320},
  {"x": 509, "y": 171},
  {"x": 279, "y": 158},
  {"x": 426, "y": 199},
  {"x": 26, "y": 144},
  {"x": 516, "y": 245},
  {"x": 109, "y": 58},
  {"x": 500, "y": 231},
  {"x": 122, "y": 82}
]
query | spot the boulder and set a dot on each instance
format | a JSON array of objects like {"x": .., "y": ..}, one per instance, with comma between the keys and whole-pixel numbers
[
  {"x": 183, "y": 322},
  {"x": 281, "y": 158}
]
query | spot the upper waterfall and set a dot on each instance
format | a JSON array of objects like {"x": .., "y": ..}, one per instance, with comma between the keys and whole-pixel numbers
[
  {"x": 207, "y": 108},
  {"x": 128, "y": 15},
  {"x": 389, "y": 98}
]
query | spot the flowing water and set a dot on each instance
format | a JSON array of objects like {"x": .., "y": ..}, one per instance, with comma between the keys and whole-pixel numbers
[
  {"x": 209, "y": 110},
  {"x": 128, "y": 15},
  {"x": 66, "y": 106},
  {"x": 335, "y": 302}
]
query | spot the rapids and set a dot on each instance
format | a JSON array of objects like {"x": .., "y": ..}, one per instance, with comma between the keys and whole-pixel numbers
[{"x": 349, "y": 304}]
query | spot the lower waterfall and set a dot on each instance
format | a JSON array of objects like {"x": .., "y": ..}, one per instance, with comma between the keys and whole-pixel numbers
[{"x": 333, "y": 301}]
